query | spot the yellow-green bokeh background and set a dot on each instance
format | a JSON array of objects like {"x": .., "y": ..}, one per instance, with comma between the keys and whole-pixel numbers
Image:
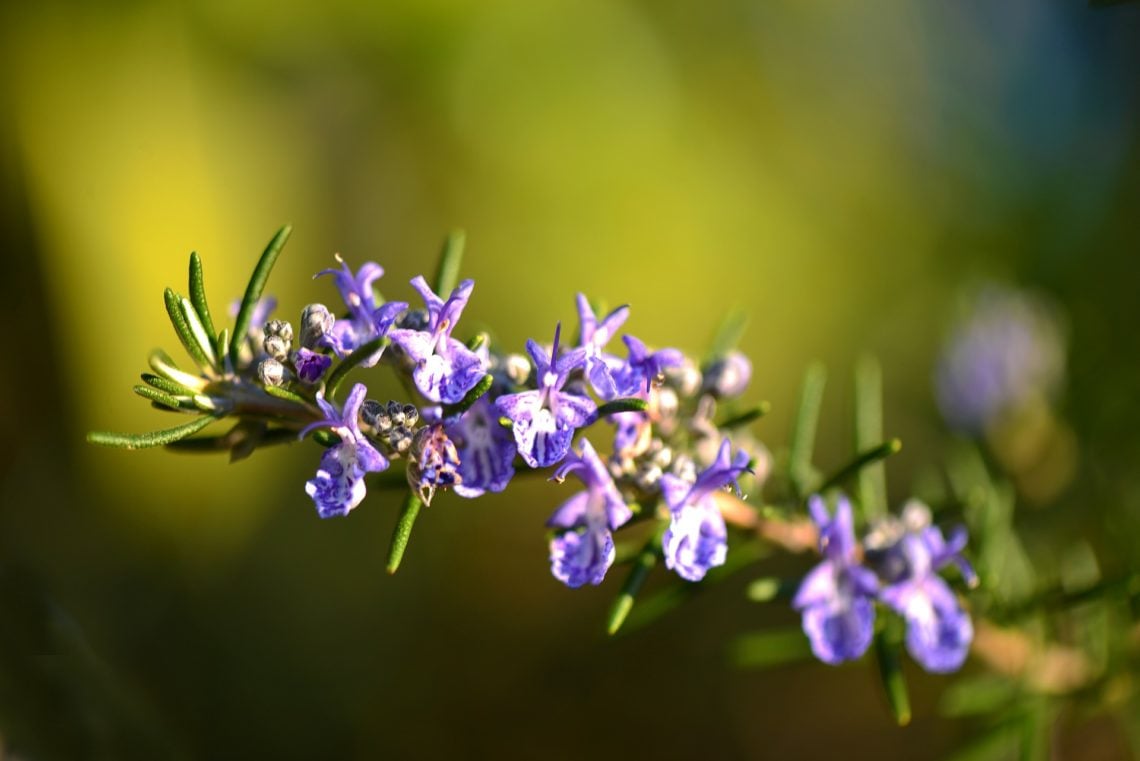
[{"x": 837, "y": 169}]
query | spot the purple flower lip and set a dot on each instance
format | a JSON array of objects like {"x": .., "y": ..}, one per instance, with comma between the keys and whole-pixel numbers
[
  {"x": 544, "y": 419},
  {"x": 585, "y": 550},
  {"x": 939, "y": 631},
  {"x": 338, "y": 486},
  {"x": 445, "y": 370},
  {"x": 836, "y": 597},
  {"x": 697, "y": 538},
  {"x": 486, "y": 451}
]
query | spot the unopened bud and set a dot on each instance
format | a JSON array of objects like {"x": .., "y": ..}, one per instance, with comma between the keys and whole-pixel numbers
[
  {"x": 276, "y": 347},
  {"x": 271, "y": 372},
  {"x": 316, "y": 322}
]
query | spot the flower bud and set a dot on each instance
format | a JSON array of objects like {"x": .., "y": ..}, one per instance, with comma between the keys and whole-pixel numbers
[
  {"x": 280, "y": 328},
  {"x": 276, "y": 347},
  {"x": 316, "y": 322},
  {"x": 271, "y": 372}
]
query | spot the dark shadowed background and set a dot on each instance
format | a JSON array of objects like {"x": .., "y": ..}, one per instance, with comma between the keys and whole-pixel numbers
[{"x": 839, "y": 170}]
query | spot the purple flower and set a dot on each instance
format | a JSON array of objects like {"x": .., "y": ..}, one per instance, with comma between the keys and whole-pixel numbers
[
  {"x": 836, "y": 597},
  {"x": 728, "y": 376},
  {"x": 445, "y": 369},
  {"x": 584, "y": 552},
  {"x": 697, "y": 539},
  {"x": 1009, "y": 351},
  {"x": 544, "y": 420},
  {"x": 366, "y": 319},
  {"x": 599, "y": 365},
  {"x": 642, "y": 366},
  {"x": 310, "y": 365},
  {"x": 938, "y": 631},
  {"x": 339, "y": 484},
  {"x": 486, "y": 450}
]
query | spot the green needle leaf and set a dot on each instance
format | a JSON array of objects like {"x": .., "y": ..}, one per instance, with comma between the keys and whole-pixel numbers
[
  {"x": 871, "y": 486},
  {"x": 253, "y": 291},
  {"x": 185, "y": 332},
  {"x": 198, "y": 296},
  {"x": 887, "y": 651},
  {"x": 403, "y": 532},
  {"x": 475, "y": 394},
  {"x": 447, "y": 271},
  {"x": 162, "y": 364},
  {"x": 803, "y": 429},
  {"x": 750, "y": 415},
  {"x": 361, "y": 353},
  {"x": 615, "y": 406},
  {"x": 287, "y": 395},
  {"x": 199, "y": 332},
  {"x": 165, "y": 399},
  {"x": 152, "y": 439},
  {"x": 638, "y": 573},
  {"x": 871, "y": 456},
  {"x": 164, "y": 384}
]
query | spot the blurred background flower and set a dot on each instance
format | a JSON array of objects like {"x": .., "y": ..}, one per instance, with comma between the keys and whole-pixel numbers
[{"x": 839, "y": 171}]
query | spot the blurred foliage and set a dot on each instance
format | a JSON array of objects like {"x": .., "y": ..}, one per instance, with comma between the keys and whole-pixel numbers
[{"x": 838, "y": 171}]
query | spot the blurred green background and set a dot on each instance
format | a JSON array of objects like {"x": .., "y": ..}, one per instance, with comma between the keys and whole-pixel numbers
[{"x": 839, "y": 170}]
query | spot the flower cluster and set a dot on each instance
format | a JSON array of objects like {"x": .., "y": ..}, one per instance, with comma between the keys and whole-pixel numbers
[
  {"x": 897, "y": 565},
  {"x": 529, "y": 419},
  {"x": 658, "y": 441}
]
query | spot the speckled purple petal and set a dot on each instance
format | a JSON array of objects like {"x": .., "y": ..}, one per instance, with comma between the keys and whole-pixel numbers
[
  {"x": 840, "y": 633},
  {"x": 695, "y": 541},
  {"x": 581, "y": 558}
]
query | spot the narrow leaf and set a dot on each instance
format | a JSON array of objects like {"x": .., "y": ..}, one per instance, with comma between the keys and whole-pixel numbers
[
  {"x": 614, "y": 406},
  {"x": 253, "y": 291},
  {"x": 204, "y": 340},
  {"x": 198, "y": 296},
  {"x": 182, "y": 328},
  {"x": 749, "y": 415},
  {"x": 287, "y": 395},
  {"x": 804, "y": 427},
  {"x": 164, "y": 384},
  {"x": 162, "y": 364},
  {"x": 163, "y": 398},
  {"x": 152, "y": 439},
  {"x": 861, "y": 461},
  {"x": 887, "y": 655},
  {"x": 403, "y": 532},
  {"x": 871, "y": 484},
  {"x": 475, "y": 394},
  {"x": 638, "y": 573},
  {"x": 450, "y": 259},
  {"x": 361, "y": 353},
  {"x": 223, "y": 345}
]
